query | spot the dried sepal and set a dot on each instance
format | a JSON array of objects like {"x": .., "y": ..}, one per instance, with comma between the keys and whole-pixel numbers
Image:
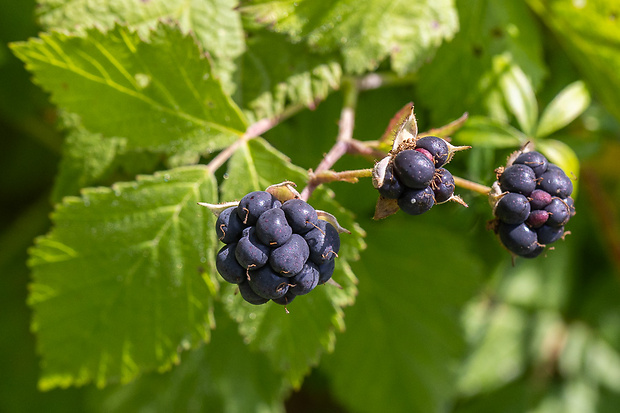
[
  {"x": 217, "y": 209},
  {"x": 395, "y": 124},
  {"x": 284, "y": 191},
  {"x": 457, "y": 199},
  {"x": 326, "y": 216},
  {"x": 378, "y": 172},
  {"x": 495, "y": 194},
  {"x": 385, "y": 207},
  {"x": 408, "y": 130}
]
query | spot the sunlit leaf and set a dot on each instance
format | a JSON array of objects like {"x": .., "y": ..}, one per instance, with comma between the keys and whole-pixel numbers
[
  {"x": 366, "y": 32},
  {"x": 571, "y": 102},
  {"x": 118, "y": 286},
  {"x": 158, "y": 94}
]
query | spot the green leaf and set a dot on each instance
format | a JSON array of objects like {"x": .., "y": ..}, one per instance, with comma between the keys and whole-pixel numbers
[
  {"x": 518, "y": 92},
  {"x": 119, "y": 285},
  {"x": 223, "y": 376},
  {"x": 278, "y": 74},
  {"x": 403, "y": 335},
  {"x": 159, "y": 94},
  {"x": 365, "y": 32},
  {"x": 462, "y": 76},
  {"x": 78, "y": 167},
  {"x": 571, "y": 102},
  {"x": 293, "y": 342},
  {"x": 215, "y": 23},
  {"x": 564, "y": 156},
  {"x": 588, "y": 31},
  {"x": 486, "y": 132},
  {"x": 499, "y": 355}
]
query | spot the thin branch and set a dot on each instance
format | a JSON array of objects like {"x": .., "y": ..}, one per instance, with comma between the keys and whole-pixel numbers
[
  {"x": 345, "y": 136},
  {"x": 471, "y": 186},
  {"x": 253, "y": 131}
]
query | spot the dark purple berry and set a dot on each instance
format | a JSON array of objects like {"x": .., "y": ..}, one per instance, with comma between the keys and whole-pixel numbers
[
  {"x": 306, "y": 280},
  {"x": 537, "y": 218},
  {"x": 300, "y": 215},
  {"x": 417, "y": 201},
  {"x": 323, "y": 241},
  {"x": 289, "y": 259},
  {"x": 512, "y": 208},
  {"x": 267, "y": 283},
  {"x": 534, "y": 160},
  {"x": 556, "y": 183},
  {"x": 250, "y": 252},
  {"x": 249, "y": 295},
  {"x": 535, "y": 251},
  {"x": 227, "y": 265},
  {"x": 518, "y": 178},
  {"x": 413, "y": 169},
  {"x": 286, "y": 299},
  {"x": 437, "y": 147},
  {"x": 272, "y": 228},
  {"x": 391, "y": 188},
  {"x": 254, "y": 204},
  {"x": 326, "y": 270},
  {"x": 539, "y": 199},
  {"x": 519, "y": 239},
  {"x": 442, "y": 185},
  {"x": 549, "y": 235},
  {"x": 559, "y": 213},
  {"x": 229, "y": 226}
]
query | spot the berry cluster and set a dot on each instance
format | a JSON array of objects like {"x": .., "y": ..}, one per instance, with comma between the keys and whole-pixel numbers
[
  {"x": 415, "y": 176},
  {"x": 532, "y": 204},
  {"x": 275, "y": 251}
]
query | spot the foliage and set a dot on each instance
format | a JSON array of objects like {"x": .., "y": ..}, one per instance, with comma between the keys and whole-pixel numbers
[{"x": 128, "y": 113}]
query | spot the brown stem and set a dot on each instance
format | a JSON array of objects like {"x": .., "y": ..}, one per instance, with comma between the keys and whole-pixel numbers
[{"x": 471, "y": 186}]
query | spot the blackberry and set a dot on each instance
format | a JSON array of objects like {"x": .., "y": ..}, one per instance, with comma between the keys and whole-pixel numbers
[
  {"x": 559, "y": 213},
  {"x": 442, "y": 185},
  {"x": 534, "y": 160},
  {"x": 437, "y": 147},
  {"x": 272, "y": 228},
  {"x": 300, "y": 215},
  {"x": 512, "y": 208},
  {"x": 539, "y": 199},
  {"x": 305, "y": 281},
  {"x": 250, "y": 253},
  {"x": 413, "y": 169},
  {"x": 227, "y": 265},
  {"x": 391, "y": 187},
  {"x": 273, "y": 250},
  {"x": 556, "y": 183},
  {"x": 413, "y": 174},
  {"x": 417, "y": 201},
  {"x": 532, "y": 204},
  {"x": 518, "y": 178},
  {"x": 266, "y": 283},
  {"x": 289, "y": 259},
  {"x": 229, "y": 226},
  {"x": 519, "y": 239},
  {"x": 254, "y": 204},
  {"x": 323, "y": 241}
]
